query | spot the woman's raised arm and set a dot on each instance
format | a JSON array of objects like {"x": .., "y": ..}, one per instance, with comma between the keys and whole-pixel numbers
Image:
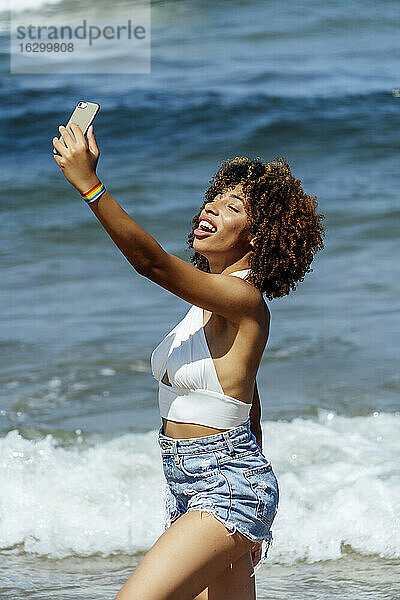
[
  {"x": 232, "y": 298},
  {"x": 78, "y": 163}
]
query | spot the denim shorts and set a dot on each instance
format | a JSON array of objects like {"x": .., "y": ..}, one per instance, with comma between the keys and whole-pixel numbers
[{"x": 224, "y": 474}]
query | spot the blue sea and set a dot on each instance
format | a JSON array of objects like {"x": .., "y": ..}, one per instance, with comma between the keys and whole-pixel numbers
[{"x": 81, "y": 484}]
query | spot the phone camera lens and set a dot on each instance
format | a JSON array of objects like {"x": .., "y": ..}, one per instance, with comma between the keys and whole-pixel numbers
[{"x": 82, "y": 104}]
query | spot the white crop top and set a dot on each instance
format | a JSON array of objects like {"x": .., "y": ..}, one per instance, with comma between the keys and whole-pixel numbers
[{"x": 196, "y": 395}]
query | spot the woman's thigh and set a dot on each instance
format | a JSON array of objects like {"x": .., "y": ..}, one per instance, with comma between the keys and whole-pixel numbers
[
  {"x": 186, "y": 558},
  {"x": 234, "y": 582}
]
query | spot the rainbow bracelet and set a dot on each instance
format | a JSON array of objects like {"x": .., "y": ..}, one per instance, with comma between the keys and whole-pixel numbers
[{"x": 94, "y": 193}]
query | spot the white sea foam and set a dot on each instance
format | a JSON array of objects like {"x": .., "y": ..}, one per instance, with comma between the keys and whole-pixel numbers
[
  {"x": 62, "y": 501},
  {"x": 339, "y": 484}
]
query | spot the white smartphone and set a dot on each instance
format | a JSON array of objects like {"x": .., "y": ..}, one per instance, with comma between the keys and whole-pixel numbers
[{"x": 83, "y": 115}]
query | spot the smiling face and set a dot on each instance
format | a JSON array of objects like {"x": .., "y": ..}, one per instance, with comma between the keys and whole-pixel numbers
[{"x": 230, "y": 242}]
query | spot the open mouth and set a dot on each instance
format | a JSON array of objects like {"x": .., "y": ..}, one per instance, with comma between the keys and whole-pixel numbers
[
  {"x": 201, "y": 233},
  {"x": 204, "y": 229}
]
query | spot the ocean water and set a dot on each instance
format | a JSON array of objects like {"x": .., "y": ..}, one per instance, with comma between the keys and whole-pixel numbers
[{"x": 80, "y": 471}]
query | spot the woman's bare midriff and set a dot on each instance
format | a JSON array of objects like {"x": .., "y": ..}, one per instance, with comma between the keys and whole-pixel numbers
[{"x": 185, "y": 431}]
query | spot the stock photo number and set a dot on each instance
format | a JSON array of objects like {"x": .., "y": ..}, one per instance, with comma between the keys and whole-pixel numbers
[{"x": 46, "y": 47}]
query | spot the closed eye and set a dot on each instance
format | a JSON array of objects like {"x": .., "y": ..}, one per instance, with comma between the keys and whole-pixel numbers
[{"x": 232, "y": 207}]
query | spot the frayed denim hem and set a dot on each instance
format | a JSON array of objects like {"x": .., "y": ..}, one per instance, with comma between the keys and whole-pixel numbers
[{"x": 266, "y": 542}]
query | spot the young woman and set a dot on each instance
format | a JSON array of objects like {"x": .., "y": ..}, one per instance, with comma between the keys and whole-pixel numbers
[{"x": 256, "y": 233}]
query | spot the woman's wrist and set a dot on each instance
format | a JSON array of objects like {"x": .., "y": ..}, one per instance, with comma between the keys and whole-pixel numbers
[
  {"x": 94, "y": 193},
  {"x": 84, "y": 186}
]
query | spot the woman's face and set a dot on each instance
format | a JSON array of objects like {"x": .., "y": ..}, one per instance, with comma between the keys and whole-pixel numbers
[{"x": 233, "y": 233}]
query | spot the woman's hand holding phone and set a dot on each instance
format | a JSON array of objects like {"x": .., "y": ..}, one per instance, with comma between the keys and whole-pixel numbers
[{"x": 78, "y": 159}]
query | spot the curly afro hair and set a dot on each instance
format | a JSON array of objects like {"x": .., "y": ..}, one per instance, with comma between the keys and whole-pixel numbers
[{"x": 286, "y": 228}]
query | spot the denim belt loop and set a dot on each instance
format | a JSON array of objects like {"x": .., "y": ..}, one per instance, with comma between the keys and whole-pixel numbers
[
  {"x": 175, "y": 450},
  {"x": 229, "y": 443}
]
